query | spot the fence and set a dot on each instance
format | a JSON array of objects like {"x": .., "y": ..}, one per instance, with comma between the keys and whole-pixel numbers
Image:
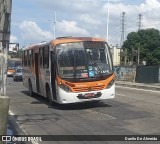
[
  {"x": 148, "y": 74},
  {"x": 140, "y": 74}
]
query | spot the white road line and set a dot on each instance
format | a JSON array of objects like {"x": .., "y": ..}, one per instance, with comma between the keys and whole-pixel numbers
[
  {"x": 23, "y": 130},
  {"x": 139, "y": 89},
  {"x": 97, "y": 112},
  {"x": 121, "y": 95},
  {"x": 109, "y": 116}
]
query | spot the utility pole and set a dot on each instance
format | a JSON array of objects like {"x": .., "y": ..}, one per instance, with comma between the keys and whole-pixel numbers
[
  {"x": 123, "y": 23},
  {"x": 138, "y": 54},
  {"x": 139, "y": 28},
  {"x": 5, "y": 18}
]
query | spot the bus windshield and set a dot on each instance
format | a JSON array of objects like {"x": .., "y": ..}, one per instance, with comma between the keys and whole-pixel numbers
[{"x": 83, "y": 60}]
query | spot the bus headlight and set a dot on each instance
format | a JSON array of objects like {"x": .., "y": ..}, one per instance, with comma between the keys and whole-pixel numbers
[
  {"x": 110, "y": 84},
  {"x": 64, "y": 87}
]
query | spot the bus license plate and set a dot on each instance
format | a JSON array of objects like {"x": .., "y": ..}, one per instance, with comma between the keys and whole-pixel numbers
[{"x": 89, "y": 95}]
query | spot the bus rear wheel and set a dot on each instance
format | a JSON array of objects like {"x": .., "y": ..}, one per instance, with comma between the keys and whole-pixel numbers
[
  {"x": 48, "y": 92},
  {"x": 30, "y": 88}
]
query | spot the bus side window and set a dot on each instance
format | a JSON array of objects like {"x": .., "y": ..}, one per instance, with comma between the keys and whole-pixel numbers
[
  {"x": 32, "y": 57},
  {"x": 40, "y": 57},
  {"x": 29, "y": 58},
  {"x": 25, "y": 58},
  {"x": 46, "y": 57}
]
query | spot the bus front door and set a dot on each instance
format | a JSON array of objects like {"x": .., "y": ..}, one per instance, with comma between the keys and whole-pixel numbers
[
  {"x": 37, "y": 71},
  {"x": 53, "y": 76}
]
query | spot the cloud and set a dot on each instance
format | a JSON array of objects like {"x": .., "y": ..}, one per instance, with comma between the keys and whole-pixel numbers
[
  {"x": 150, "y": 17},
  {"x": 152, "y": 3},
  {"x": 13, "y": 39},
  {"x": 148, "y": 23},
  {"x": 31, "y": 31},
  {"x": 89, "y": 19},
  {"x": 71, "y": 28},
  {"x": 83, "y": 18}
]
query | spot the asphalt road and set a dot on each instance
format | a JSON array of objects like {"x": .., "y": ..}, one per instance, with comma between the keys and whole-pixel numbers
[{"x": 132, "y": 112}]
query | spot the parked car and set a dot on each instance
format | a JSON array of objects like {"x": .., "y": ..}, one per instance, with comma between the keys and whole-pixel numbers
[
  {"x": 11, "y": 71},
  {"x": 17, "y": 75}
]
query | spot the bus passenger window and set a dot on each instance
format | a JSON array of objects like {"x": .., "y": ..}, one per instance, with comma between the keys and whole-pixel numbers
[
  {"x": 25, "y": 58},
  {"x": 32, "y": 57},
  {"x": 29, "y": 58},
  {"x": 40, "y": 56},
  {"x": 45, "y": 57}
]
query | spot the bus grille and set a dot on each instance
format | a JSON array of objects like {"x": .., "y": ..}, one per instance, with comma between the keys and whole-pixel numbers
[{"x": 86, "y": 89}]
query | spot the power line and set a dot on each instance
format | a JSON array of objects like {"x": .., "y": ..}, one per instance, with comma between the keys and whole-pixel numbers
[{"x": 131, "y": 26}]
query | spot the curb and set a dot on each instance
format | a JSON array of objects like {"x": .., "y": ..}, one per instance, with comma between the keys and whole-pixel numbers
[
  {"x": 139, "y": 86},
  {"x": 16, "y": 130}
]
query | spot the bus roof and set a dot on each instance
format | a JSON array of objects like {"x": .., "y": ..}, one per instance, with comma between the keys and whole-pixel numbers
[
  {"x": 35, "y": 45},
  {"x": 61, "y": 40}
]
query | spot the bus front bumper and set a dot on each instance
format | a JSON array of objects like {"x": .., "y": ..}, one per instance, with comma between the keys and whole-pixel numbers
[{"x": 66, "y": 98}]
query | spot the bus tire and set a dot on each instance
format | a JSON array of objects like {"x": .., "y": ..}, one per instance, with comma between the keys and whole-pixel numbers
[
  {"x": 30, "y": 88},
  {"x": 48, "y": 93}
]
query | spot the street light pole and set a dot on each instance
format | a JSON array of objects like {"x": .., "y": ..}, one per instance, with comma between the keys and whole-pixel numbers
[
  {"x": 107, "y": 19},
  {"x": 54, "y": 25}
]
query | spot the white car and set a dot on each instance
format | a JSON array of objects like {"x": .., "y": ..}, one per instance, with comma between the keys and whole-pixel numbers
[{"x": 17, "y": 75}]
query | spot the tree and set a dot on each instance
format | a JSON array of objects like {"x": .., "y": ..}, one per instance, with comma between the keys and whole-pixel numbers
[{"x": 143, "y": 45}]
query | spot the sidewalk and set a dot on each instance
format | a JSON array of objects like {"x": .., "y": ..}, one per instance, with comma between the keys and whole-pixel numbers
[
  {"x": 14, "y": 129},
  {"x": 148, "y": 86}
]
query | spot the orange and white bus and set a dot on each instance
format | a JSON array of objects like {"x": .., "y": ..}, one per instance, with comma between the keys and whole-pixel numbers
[{"x": 69, "y": 70}]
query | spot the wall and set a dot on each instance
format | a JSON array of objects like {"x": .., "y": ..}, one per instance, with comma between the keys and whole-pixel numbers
[
  {"x": 125, "y": 73},
  {"x": 140, "y": 74}
]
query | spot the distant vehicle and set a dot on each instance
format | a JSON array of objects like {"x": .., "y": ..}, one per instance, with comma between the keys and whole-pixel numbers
[
  {"x": 17, "y": 75},
  {"x": 11, "y": 71},
  {"x": 69, "y": 70},
  {"x": 13, "y": 64}
]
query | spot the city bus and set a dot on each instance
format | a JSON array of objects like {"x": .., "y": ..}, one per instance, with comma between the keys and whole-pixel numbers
[
  {"x": 69, "y": 70},
  {"x": 13, "y": 64}
]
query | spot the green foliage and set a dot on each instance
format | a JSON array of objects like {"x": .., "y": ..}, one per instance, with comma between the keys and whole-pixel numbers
[{"x": 148, "y": 42}]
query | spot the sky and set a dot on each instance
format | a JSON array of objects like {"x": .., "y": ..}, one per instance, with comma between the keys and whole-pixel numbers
[{"x": 32, "y": 21}]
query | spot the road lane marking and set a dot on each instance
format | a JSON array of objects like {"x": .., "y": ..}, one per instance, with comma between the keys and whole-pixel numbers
[
  {"x": 97, "y": 112},
  {"x": 139, "y": 89},
  {"x": 23, "y": 130},
  {"x": 121, "y": 95}
]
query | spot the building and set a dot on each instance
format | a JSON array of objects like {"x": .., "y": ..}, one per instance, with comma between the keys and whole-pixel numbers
[{"x": 115, "y": 55}]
